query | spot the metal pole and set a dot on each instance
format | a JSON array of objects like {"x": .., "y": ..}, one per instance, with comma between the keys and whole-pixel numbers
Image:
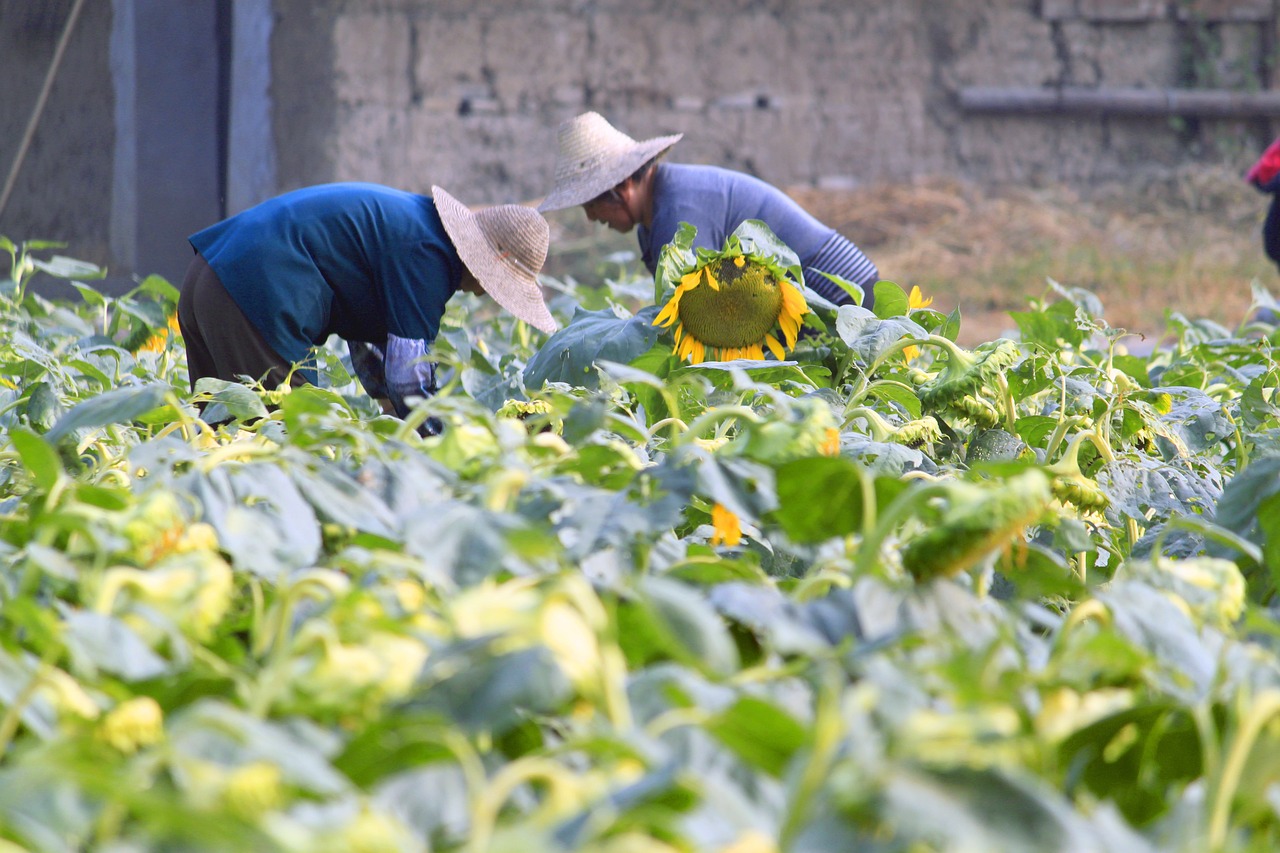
[{"x": 1205, "y": 103}]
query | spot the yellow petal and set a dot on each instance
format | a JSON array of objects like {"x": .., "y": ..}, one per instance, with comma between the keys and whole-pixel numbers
[
  {"x": 699, "y": 350},
  {"x": 739, "y": 262},
  {"x": 776, "y": 348},
  {"x": 669, "y": 312},
  {"x": 728, "y": 529},
  {"x": 711, "y": 279},
  {"x": 691, "y": 280},
  {"x": 754, "y": 352},
  {"x": 830, "y": 443},
  {"x": 911, "y": 352},
  {"x": 916, "y": 300}
]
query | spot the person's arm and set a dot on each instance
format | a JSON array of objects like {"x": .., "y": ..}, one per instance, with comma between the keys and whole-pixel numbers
[{"x": 408, "y": 372}]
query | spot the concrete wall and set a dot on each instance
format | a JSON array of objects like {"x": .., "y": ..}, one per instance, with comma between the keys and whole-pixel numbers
[{"x": 468, "y": 95}]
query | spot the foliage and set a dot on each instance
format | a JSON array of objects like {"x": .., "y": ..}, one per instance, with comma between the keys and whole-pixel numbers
[{"x": 875, "y": 598}]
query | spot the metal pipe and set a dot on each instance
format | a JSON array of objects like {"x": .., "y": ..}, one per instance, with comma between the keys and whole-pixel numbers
[{"x": 1203, "y": 103}]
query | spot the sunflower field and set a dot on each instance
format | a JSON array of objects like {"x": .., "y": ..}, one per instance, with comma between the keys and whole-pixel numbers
[{"x": 884, "y": 593}]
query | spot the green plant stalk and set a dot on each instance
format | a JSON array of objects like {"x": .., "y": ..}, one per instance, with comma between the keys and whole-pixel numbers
[
  {"x": 1060, "y": 432},
  {"x": 13, "y": 714},
  {"x": 1266, "y": 706},
  {"x": 268, "y": 684},
  {"x": 881, "y": 429},
  {"x": 828, "y": 731},
  {"x": 716, "y": 416},
  {"x": 1010, "y": 409},
  {"x": 897, "y": 511},
  {"x": 499, "y": 788}
]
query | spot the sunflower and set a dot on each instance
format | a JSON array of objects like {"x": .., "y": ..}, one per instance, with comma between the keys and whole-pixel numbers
[
  {"x": 730, "y": 305},
  {"x": 727, "y": 528},
  {"x": 915, "y": 300},
  {"x": 160, "y": 340}
]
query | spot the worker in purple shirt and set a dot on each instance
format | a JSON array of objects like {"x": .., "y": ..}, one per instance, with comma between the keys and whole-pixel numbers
[
  {"x": 621, "y": 183},
  {"x": 371, "y": 264}
]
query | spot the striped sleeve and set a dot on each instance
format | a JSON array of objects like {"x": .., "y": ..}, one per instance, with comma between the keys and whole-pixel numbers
[{"x": 840, "y": 257}]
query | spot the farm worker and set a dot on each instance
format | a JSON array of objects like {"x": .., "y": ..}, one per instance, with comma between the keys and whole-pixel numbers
[
  {"x": 621, "y": 183},
  {"x": 371, "y": 264},
  {"x": 1265, "y": 175}
]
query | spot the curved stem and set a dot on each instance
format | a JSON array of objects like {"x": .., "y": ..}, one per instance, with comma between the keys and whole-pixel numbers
[{"x": 1266, "y": 706}]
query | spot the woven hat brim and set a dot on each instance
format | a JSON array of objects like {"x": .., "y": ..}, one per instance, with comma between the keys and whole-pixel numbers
[
  {"x": 583, "y": 181},
  {"x": 514, "y": 289}
]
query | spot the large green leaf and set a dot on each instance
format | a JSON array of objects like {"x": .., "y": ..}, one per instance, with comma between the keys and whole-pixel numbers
[
  {"x": 480, "y": 691},
  {"x": 112, "y": 407},
  {"x": 869, "y": 336},
  {"x": 821, "y": 497},
  {"x": 570, "y": 355},
  {"x": 39, "y": 457}
]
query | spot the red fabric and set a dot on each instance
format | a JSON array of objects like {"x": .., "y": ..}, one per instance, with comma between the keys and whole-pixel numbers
[{"x": 1267, "y": 167}]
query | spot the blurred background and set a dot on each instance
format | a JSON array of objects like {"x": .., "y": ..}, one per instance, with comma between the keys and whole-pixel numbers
[{"x": 972, "y": 149}]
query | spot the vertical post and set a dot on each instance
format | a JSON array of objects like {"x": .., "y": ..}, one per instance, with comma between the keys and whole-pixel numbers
[
  {"x": 251, "y": 153},
  {"x": 165, "y": 60}
]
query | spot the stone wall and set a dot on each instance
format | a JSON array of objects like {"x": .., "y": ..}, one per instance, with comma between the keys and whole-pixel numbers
[
  {"x": 800, "y": 92},
  {"x": 827, "y": 93}
]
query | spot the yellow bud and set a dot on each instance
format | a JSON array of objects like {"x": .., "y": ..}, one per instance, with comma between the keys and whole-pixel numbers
[
  {"x": 572, "y": 641},
  {"x": 253, "y": 789},
  {"x": 66, "y": 695},
  {"x": 133, "y": 724},
  {"x": 752, "y": 841}
]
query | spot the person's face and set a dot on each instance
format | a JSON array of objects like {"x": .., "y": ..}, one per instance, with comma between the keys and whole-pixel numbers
[
  {"x": 469, "y": 283},
  {"x": 611, "y": 208}
]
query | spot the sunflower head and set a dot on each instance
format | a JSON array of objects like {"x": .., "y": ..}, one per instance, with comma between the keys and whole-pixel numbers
[{"x": 732, "y": 304}]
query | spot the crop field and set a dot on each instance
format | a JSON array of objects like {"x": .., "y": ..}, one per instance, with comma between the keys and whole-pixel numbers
[{"x": 873, "y": 583}]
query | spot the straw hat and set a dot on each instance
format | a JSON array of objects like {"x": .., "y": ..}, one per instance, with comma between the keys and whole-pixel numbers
[
  {"x": 504, "y": 248},
  {"x": 593, "y": 157}
]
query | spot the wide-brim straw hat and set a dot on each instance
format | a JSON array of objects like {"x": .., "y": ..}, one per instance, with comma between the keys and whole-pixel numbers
[
  {"x": 504, "y": 247},
  {"x": 593, "y": 157}
]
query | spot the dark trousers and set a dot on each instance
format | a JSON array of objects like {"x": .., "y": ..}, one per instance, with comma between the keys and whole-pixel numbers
[
  {"x": 221, "y": 341},
  {"x": 1271, "y": 231}
]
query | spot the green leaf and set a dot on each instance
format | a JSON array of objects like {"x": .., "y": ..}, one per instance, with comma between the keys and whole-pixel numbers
[
  {"x": 64, "y": 267},
  {"x": 230, "y": 399},
  {"x": 686, "y": 627},
  {"x": 39, "y": 457},
  {"x": 1133, "y": 757},
  {"x": 570, "y": 355},
  {"x": 868, "y": 336},
  {"x": 760, "y": 733},
  {"x": 482, "y": 691},
  {"x": 820, "y": 498},
  {"x": 111, "y": 407},
  {"x": 891, "y": 300},
  {"x": 159, "y": 286},
  {"x": 110, "y": 645},
  {"x": 756, "y": 238},
  {"x": 43, "y": 406}
]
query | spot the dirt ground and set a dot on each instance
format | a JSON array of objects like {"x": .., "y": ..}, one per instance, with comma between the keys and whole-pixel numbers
[{"x": 1189, "y": 243}]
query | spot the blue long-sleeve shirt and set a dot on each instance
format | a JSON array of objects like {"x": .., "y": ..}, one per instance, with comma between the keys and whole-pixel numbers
[
  {"x": 368, "y": 263},
  {"x": 716, "y": 201}
]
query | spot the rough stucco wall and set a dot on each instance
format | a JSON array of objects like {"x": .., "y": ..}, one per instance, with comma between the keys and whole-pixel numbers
[
  {"x": 818, "y": 92},
  {"x": 63, "y": 191},
  {"x": 801, "y": 92}
]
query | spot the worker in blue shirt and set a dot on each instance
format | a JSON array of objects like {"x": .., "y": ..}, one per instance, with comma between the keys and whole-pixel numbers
[
  {"x": 621, "y": 183},
  {"x": 368, "y": 263}
]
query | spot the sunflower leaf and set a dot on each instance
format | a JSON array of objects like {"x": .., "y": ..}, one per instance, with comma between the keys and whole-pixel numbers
[{"x": 570, "y": 355}]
